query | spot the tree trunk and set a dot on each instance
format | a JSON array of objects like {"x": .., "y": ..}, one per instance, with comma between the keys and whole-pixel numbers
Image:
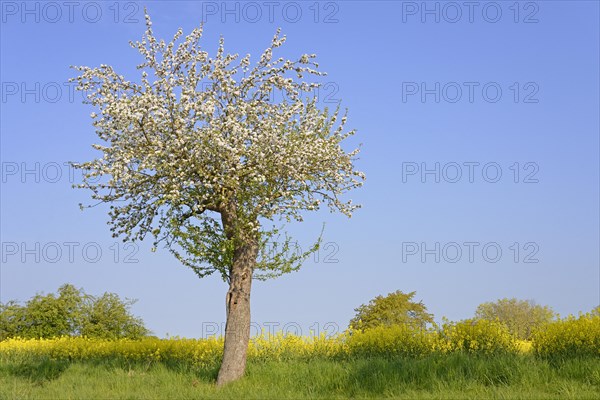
[{"x": 237, "y": 327}]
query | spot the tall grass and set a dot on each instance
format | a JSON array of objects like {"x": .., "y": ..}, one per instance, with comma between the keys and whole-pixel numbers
[{"x": 457, "y": 375}]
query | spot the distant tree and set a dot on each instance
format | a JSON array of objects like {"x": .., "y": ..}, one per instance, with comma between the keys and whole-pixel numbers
[
  {"x": 43, "y": 315},
  {"x": 108, "y": 317},
  {"x": 519, "y": 316},
  {"x": 396, "y": 308},
  {"x": 11, "y": 313},
  {"x": 70, "y": 312}
]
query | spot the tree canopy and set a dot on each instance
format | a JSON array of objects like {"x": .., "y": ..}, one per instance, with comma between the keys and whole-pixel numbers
[
  {"x": 70, "y": 312},
  {"x": 201, "y": 137},
  {"x": 520, "y": 316},
  {"x": 396, "y": 308}
]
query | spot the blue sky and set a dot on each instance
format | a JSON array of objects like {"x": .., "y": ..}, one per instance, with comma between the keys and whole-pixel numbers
[{"x": 480, "y": 132}]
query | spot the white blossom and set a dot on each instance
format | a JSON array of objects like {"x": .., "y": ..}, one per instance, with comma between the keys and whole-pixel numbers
[{"x": 196, "y": 137}]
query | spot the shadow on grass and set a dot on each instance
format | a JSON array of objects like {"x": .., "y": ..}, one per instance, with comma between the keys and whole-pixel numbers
[
  {"x": 383, "y": 376},
  {"x": 206, "y": 373},
  {"x": 42, "y": 370},
  {"x": 39, "y": 371}
]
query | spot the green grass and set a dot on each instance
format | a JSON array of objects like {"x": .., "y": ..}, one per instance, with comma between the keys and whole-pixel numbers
[{"x": 434, "y": 377}]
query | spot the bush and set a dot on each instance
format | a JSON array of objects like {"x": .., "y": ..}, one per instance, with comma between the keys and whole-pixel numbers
[{"x": 570, "y": 337}]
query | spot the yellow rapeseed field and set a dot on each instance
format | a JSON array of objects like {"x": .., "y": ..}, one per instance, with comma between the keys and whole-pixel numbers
[{"x": 571, "y": 336}]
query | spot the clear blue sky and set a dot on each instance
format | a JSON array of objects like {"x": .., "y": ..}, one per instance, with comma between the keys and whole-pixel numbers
[{"x": 444, "y": 97}]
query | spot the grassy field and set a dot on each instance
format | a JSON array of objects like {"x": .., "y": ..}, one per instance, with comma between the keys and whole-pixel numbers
[{"x": 448, "y": 376}]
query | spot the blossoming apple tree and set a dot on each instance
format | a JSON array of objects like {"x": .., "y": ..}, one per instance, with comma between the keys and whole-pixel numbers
[{"x": 198, "y": 154}]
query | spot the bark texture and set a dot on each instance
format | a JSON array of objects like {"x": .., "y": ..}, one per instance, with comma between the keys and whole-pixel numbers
[{"x": 237, "y": 302}]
